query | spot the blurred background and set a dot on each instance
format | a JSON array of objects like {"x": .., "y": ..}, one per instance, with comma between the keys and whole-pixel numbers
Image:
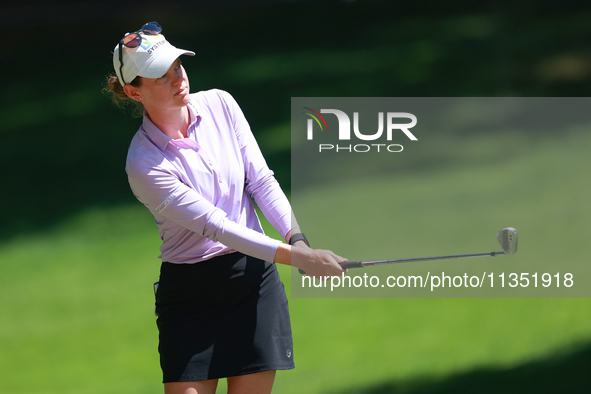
[{"x": 79, "y": 254}]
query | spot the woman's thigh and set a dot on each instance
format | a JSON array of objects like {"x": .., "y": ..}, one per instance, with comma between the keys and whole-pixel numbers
[
  {"x": 201, "y": 387},
  {"x": 256, "y": 383}
]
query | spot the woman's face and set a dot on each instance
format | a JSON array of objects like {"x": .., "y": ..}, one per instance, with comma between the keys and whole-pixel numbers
[{"x": 167, "y": 92}]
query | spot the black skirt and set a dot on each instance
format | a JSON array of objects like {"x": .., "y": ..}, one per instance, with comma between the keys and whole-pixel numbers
[{"x": 222, "y": 317}]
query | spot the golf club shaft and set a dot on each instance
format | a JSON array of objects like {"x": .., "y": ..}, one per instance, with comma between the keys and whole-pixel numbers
[
  {"x": 507, "y": 238},
  {"x": 360, "y": 264}
]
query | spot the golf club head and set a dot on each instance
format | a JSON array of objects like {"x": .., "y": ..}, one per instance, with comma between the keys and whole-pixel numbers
[{"x": 508, "y": 239}]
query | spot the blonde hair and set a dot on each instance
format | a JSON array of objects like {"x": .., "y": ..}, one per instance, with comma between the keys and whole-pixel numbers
[{"x": 114, "y": 89}]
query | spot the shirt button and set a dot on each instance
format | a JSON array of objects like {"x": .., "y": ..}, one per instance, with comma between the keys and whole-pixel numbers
[{"x": 219, "y": 180}]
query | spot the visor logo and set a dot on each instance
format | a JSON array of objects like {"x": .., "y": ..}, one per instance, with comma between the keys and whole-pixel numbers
[{"x": 149, "y": 43}]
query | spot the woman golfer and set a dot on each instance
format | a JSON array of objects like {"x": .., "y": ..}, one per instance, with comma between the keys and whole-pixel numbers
[{"x": 194, "y": 163}]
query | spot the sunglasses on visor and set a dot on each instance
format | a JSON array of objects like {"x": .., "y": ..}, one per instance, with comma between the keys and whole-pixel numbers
[{"x": 133, "y": 40}]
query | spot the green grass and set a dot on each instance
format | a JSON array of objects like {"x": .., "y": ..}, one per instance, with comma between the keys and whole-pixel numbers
[
  {"x": 68, "y": 293},
  {"x": 77, "y": 301}
]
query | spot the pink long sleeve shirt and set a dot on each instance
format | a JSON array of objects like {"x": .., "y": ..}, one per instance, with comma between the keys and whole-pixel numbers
[{"x": 198, "y": 188}]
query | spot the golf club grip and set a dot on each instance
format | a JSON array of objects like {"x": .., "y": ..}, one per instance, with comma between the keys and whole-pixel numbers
[
  {"x": 347, "y": 265},
  {"x": 352, "y": 264}
]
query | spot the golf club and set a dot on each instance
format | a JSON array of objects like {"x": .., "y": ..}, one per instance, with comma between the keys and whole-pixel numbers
[{"x": 507, "y": 238}]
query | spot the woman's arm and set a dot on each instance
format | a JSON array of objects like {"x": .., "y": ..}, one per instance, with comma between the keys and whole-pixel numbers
[
  {"x": 271, "y": 199},
  {"x": 315, "y": 262}
]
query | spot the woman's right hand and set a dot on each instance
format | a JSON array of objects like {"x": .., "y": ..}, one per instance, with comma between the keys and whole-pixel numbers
[{"x": 317, "y": 262}]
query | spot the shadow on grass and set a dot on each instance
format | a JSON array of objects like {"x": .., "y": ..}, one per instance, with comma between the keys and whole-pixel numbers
[
  {"x": 63, "y": 146},
  {"x": 564, "y": 373}
]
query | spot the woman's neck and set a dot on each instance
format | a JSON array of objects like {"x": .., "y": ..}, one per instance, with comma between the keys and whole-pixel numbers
[{"x": 174, "y": 123}]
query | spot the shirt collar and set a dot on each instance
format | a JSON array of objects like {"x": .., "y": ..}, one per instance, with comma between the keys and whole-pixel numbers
[
  {"x": 194, "y": 119},
  {"x": 158, "y": 137},
  {"x": 154, "y": 134}
]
